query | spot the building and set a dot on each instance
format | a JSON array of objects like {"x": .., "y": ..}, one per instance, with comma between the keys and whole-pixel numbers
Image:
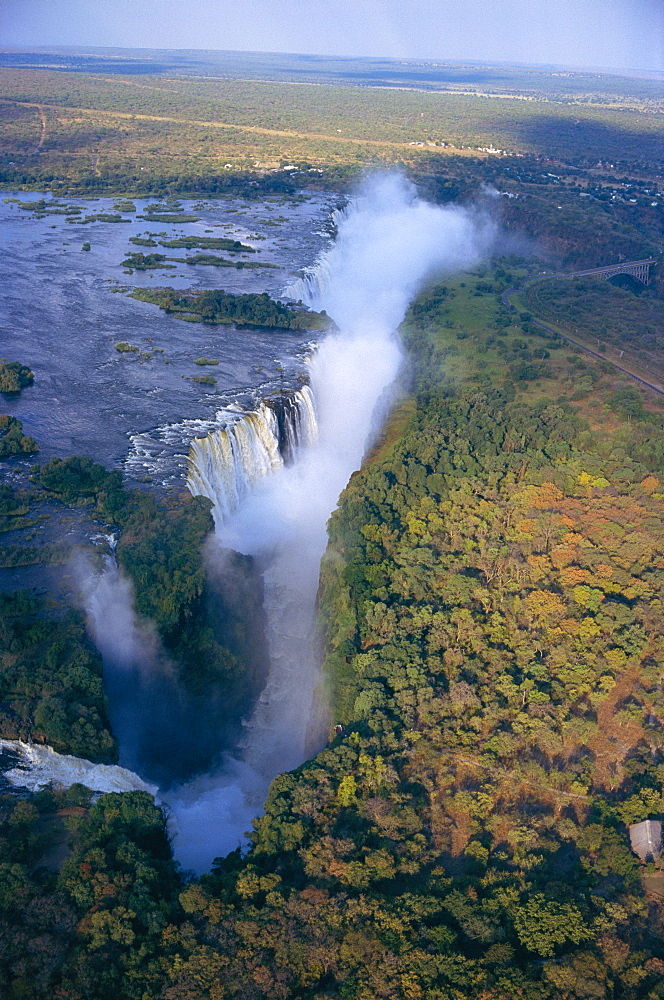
[{"x": 646, "y": 839}]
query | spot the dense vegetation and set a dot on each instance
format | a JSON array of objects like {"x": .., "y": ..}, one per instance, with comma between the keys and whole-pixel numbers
[
  {"x": 212, "y": 260},
  {"x": 491, "y": 610},
  {"x": 216, "y": 307},
  {"x": 491, "y": 602},
  {"x": 145, "y": 262},
  {"x": 14, "y": 377},
  {"x": 490, "y": 607},
  {"x": 208, "y": 243},
  {"x": 12, "y": 439},
  {"x": 51, "y": 680},
  {"x": 73, "y": 929},
  {"x": 173, "y": 217},
  {"x": 13, "y": 507}
]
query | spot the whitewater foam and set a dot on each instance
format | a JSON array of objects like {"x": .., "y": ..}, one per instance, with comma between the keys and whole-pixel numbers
[
  {"x": 228, "y": 462},
  {"x": 38, "y": 766}
]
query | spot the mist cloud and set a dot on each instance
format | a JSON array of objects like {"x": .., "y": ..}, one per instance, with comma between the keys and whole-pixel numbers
[{"x": 152, "y": 715}]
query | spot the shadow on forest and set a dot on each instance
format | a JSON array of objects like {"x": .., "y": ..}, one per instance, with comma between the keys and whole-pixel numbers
[{"x": 556, "y": 136}]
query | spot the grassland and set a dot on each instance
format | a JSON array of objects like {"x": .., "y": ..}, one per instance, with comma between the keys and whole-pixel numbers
[
  {"x": 75, "y": 126},
  {"x": 473, "y": 311},
  {"x": 527, "y": 82},
  {"x": 620, "y": 324}
]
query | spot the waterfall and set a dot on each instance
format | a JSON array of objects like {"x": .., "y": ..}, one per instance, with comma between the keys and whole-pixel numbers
[
  {"x": 297, "y": 426},
  {"x": 34, "y": 766},
  {"x": 311, "y": 287},
  {"x": 389, "y": 243},
  {"x": 318, "y": 279},
  {"x": 227, "y": 463}
]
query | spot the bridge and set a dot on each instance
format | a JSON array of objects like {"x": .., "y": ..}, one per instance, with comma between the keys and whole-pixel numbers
[{"x": 639, "y": 269}]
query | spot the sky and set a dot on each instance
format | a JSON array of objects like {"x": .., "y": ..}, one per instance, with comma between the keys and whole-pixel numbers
[{"x": 614, "y": 34}]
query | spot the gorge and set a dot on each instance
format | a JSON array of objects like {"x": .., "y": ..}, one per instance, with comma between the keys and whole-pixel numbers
[{"x": 389, "y": 242}]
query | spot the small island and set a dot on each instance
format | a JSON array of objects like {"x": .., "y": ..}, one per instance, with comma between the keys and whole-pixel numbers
[
  {"x": 144, "y": 262},
  {"x": 12, "y": 439},
  {"x": 207, "y": 243},
  {"x": 41, "y": 207},
  {"x": 14, "y": 377},
  {"x": 216, "y": 306},
  {"x": 211, "y": 260},
  {"x": 168, "y": 217}
]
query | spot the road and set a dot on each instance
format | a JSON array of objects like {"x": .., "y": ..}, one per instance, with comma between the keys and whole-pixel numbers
[{"x": 506, "y": 298}]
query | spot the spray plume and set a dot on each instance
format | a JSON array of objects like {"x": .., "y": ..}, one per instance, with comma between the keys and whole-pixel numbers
[
  {"x": 151, "y": 714},
  {"x": 389, "y": 242}
]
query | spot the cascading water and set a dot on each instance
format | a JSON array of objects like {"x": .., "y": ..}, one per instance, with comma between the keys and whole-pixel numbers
[
  {"x": 297, "y": 425},
  {"x": 388, "y": 243},
  {"x": 316, "y": 280},
  {"x": 229, "y": 461},
  {"x": 36, "y": 766}
]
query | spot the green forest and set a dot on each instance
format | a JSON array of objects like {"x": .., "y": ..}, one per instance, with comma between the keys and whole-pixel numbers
[
  {"x": 492, "y": 617},
  {"x": 14, "y": 377},
  {"x": 12, "y": 439},
  {"x": 217, "y": 307}
]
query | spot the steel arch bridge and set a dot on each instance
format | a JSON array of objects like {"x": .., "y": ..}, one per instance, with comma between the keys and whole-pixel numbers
[{"x": 639, "y": 269}]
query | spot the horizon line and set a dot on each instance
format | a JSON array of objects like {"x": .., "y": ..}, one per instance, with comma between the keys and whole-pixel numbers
[{"x": 400, "y": 60}]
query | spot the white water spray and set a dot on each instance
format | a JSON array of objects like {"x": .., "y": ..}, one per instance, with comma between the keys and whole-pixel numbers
[
  {"x": 227, "y": 463},
  {"x": 38, "y": 766},
  {"x": 129, "y": 648},
  {"x": 389, "y": 243},
  {"x": 149, "y": 715}
]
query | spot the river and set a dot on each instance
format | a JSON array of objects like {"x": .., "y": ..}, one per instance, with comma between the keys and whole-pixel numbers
[{"x": 61, "y": 314}]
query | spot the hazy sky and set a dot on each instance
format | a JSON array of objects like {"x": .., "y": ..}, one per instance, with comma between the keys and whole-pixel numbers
[{"x": 610, "y": 33}]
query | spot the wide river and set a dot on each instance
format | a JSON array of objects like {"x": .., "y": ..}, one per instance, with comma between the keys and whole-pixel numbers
[{"x": 63, "y": 309}]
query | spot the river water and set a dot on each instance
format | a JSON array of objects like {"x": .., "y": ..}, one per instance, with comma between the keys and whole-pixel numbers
[{"x": 61, "y": 314}]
